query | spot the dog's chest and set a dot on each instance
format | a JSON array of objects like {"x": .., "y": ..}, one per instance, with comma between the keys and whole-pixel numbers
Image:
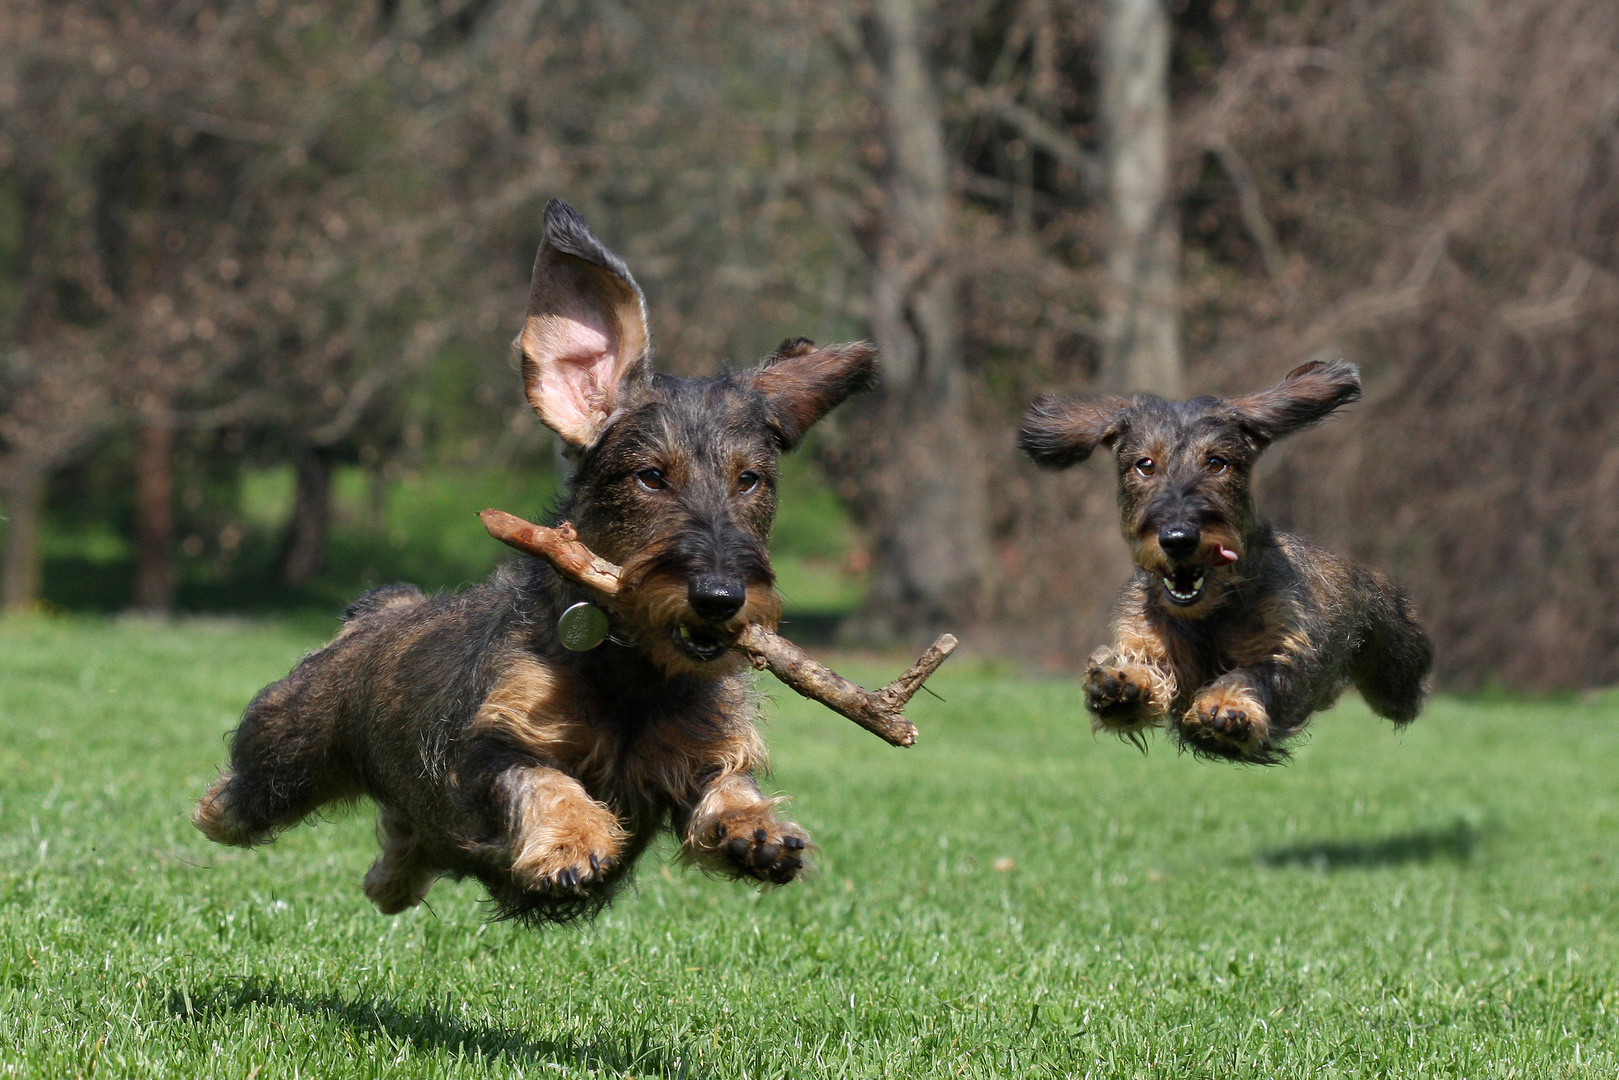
[
  {"x": 614, "y": 734},
  {"x": 637, "y": 747},
  {"x": 1237, "y": 638}
]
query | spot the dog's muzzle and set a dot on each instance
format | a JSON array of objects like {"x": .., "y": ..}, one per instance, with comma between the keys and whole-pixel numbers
[
  {"x": 1183, "y": 584},
  {"x": 714, "y": 600},
  {"x": 699, "y": 642}
]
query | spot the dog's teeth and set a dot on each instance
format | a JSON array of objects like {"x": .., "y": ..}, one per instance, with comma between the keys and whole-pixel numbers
[{"x": 1196, "y": 585}]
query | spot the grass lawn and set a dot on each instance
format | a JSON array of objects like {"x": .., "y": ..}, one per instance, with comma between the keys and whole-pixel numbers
[{"x": 1011, "y": 898}]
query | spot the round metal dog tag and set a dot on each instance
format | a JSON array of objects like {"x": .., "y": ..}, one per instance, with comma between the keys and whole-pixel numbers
[{"x": 582, "y": 627}]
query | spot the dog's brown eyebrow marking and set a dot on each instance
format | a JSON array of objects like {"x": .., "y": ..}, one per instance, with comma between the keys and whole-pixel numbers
[{"x": 879, "y": 712}]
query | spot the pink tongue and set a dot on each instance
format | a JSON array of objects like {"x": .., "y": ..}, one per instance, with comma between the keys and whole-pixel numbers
[{"x": 1223, "y": 555}]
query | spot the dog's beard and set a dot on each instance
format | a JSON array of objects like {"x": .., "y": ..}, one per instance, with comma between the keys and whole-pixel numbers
[
  {"x": 1190, "y": 586},
  {"x": 661, "y": 624}
]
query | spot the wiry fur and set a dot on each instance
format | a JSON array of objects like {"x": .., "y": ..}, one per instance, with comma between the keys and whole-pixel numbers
[
  {"x": 1276, "y": 628},
  {"x": 490, "y": 749}
]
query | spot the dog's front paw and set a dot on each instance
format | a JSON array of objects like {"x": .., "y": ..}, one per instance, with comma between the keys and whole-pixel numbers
[
  {"x": 577, "y": 847},
  {"x": 1228, "y": 720},
  {"x": 1122, "y": 696},
  {"x": 564, "y": 871},
  {"x": 755, "y": 844}
]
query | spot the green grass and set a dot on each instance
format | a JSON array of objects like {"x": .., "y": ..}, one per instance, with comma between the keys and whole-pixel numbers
[{"x": 1438, "y": 903}]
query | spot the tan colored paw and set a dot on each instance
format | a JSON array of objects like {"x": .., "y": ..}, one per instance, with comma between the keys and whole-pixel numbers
[
  {"x": 1227, "y": 719},
  {"x": 212, "y": 815},
  {"x": 1123, "y": 697},
  {"x": 577, "y": 847},
  {"x": 393, "y": 887}
]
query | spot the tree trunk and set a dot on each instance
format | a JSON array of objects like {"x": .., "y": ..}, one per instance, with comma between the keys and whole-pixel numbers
[
  {"x": 303, "y": 551},
  {"x": 1141, "y": 322},
  {"x": 154, "y": 517},
  {"x": 24, "y": 496},
  {"x": 920, "y": 483}
]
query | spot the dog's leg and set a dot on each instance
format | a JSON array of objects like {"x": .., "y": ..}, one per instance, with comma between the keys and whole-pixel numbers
[
  {"x": 1131, "y": 686},
  {"x": 1391, "y": 667},
  {"x": 282, "y": 769},
  {"x": 734, "y": 830},
  {"x": 1248, "y": 713},
  {"x": 1228, "y": 718},
  {"x": 401, "y": 876},
  {"x": 1125, "y": 693},
  {"x": 562, "y": 841}
]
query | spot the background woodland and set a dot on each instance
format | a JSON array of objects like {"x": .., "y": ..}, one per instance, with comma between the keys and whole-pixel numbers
[{"x": 242, "y": 241}]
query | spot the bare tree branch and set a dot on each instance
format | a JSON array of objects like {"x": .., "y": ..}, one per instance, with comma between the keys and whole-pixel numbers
[{"x": 1040, "y": 133}]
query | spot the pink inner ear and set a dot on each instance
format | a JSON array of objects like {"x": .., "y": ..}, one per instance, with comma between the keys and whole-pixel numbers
[{"x": 572, "y": 381}]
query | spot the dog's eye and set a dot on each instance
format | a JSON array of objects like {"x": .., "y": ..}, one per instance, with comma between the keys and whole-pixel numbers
[
  {"x": 1145, "y": 466},
  {"x": 748, "y": 482},
  {"x": 652, "y": 479},
  {"x": 1217, "y": 463}
]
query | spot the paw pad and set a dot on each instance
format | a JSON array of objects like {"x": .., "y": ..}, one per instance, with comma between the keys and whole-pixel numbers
[{"x": 777, "y": 859}]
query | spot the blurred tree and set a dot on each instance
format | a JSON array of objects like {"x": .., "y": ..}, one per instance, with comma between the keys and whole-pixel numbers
[
  {"x": 919, "y": 477},
  {"x": 235, "y": 177},
  {"x": 1142, "y": 326},
  {"x": 1429, "y": 190},
  {"x": 280, "y": 231},
  {"x": 974, "y": 193}
]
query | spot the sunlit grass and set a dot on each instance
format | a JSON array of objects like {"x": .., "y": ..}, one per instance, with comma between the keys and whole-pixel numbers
[{"x": 1011, "y": 898}]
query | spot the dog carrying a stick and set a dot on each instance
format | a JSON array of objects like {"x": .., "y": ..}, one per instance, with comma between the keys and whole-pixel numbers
[{"x": 536, "y": 732}]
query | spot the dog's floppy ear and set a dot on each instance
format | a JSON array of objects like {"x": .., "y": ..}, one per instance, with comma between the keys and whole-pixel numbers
[
  {"x": 1308, "y": 395},
  {"x": 585, "y": 337},
  {"x": 1058, "y": 432},
  {"x": 801, "y": 383}
]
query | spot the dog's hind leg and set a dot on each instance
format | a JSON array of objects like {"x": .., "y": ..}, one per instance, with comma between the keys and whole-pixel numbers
[
  {"x": 1391, "y": 667},
  {"x": 402, "y": 875},
  {"x": 283, "y": 766}
]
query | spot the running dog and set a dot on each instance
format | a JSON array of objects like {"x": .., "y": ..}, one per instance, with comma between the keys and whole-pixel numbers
[
  {"x": 494, "y": 750},
  {"x": 1230, "y": 632}
]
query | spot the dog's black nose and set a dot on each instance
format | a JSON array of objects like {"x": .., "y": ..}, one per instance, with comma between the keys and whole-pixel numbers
[
  {"x": 1178, "y": 540},
  {"x": 716, "y": 599}
]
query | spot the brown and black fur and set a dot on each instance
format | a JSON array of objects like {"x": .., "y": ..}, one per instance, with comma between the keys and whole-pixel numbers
[
  {"x": 492, "y": 751},
  {"x": 1267, "y": 628}
]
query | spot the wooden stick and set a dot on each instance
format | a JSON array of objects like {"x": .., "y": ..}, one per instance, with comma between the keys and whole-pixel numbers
[
  {"x": 881, "y": 713},
  {"x": 559, "y": 546}
]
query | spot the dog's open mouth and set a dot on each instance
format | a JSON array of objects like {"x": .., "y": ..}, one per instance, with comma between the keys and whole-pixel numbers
[
  {"x": 1184, "y": 584},
  {"x": 699, "y": 642}
]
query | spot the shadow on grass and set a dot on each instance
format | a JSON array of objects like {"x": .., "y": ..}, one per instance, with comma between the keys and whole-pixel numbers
[
  {"x": 431, "y": 1028},
  {"x": 1458, "y": 842}
]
